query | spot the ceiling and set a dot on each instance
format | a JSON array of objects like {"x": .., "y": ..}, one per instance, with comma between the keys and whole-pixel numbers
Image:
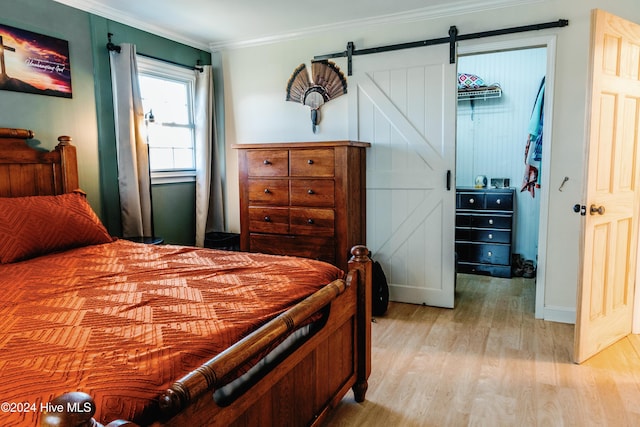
[{"x": 215, "y": 24}]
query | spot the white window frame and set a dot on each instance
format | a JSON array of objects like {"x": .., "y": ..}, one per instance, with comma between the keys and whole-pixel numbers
[{"x": 161, "y": 69}]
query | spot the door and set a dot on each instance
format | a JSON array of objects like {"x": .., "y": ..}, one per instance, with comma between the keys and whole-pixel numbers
[
  {"x": 605, "y": 296},
  {"x": 404, "y": 105}
]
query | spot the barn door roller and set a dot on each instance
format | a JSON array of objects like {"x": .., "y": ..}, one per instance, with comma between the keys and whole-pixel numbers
[{"x": 453, "y": 38}]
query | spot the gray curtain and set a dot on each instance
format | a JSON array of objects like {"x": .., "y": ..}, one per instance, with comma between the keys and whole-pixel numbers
[
  {"x": 209, "y": 203},
  {"x": 134, "y": 182}
]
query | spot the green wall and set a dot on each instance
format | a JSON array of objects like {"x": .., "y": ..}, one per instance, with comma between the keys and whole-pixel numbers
[
  {"x": 88, "y": 116},
  {"x": 50, "y": 117}
]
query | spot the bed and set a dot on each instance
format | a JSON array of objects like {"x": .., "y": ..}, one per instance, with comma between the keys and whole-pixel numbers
[{"x": 102, "y": 331}]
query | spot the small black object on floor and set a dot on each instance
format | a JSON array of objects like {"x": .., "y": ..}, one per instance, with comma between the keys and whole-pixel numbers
[{"x": 223, "y": 241}]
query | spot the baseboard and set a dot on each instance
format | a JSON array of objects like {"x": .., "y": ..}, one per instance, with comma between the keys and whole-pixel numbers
[{"x": 560, "y": 314}]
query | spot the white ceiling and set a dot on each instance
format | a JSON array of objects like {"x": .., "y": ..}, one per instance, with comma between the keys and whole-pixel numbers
[{"x": 213, "y": 24}]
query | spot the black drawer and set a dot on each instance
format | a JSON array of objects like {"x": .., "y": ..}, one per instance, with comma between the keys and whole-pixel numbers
[
  {"x": 491, "y": 221},
  {"x": 463, "y": 233},
  {"x": 489, "y": 269},
  {"x": 483, "y": 235},
  {"x": 490, "y": 236},
  {"x": 499, "y": 201},
  {"x": 463, "y": 220},
  {"x": 484, "y": 253},
  {"x": 470, "y": 201}
]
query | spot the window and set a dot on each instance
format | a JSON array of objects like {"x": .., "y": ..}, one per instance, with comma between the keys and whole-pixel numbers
[{"x": 167, "y": 99}]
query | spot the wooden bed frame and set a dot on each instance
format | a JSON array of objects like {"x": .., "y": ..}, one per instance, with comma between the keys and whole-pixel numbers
[{"x": 300, "y": 390}]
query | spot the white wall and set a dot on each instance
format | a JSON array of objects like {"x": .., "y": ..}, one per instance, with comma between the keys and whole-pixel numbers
[
  {"x": 492, "y": 133},
  {"x": 255, "y": 80}
]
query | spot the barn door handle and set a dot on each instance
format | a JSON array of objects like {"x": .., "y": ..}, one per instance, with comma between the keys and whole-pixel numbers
[{"x": 448, "y": 180}]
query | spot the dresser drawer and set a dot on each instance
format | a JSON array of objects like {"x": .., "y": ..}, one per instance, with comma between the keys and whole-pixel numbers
[
  {"x": 499, "y": 201},
  {"x": 269, "y": 191},
  {"x": 463, "y": 220},
  {"x": 268, "y": 162},
  {"x": 322, "y": 248},
  {"x": 470, "y": 201},
  {"x": 484, "y": 253},
  {"x": 491, "y": 269},
  {"x": 269, "y": 219},
  {"x": 463, "y": 233},
  {"x": 491, "y": 221},
  {"x": 312, "y": 222},
  {"x": 490, "y": 236},
  {"x": 483, "y": 235},
  {"x": 312, "y": 192},
  {"x": 313, "y": 162}
]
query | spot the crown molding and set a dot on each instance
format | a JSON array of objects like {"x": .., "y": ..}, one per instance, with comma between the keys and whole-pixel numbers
[
  {"x": 422, "y": 14},
  {"x": 100, "y": 9}
]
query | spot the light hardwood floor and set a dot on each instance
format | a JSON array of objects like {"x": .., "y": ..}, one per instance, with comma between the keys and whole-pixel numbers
[{"x": 488, "y": 362}]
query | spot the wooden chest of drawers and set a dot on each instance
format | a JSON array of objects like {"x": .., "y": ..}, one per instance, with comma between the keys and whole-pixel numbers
[
  {"x": 484, "y": 230},
  {"x": 303, "y": 199}
]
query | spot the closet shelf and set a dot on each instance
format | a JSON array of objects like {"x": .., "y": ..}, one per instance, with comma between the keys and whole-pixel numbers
[{"x": 482, "y": 93}]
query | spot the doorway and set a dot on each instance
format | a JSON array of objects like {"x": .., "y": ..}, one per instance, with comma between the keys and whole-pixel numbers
[{"x": 492, "y": 138}]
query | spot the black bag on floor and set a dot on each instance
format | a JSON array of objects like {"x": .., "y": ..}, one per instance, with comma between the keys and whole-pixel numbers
[{"x": 380, "y": 294}]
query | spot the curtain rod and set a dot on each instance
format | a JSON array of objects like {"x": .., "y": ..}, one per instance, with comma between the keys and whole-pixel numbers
[
  {"x": 452, "y": 39},
  {"x": 115, "y": 48}
]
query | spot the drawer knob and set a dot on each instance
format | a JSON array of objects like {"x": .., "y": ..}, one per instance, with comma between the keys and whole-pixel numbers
[
  {"x": 471, "y": 201},
  {"x": 266, "y": 191},
  {"x": 490, "y": 236},
  {"x": 310, "y": 191},
  {"x": 498, "y": 202},
  {"x": 267, "y": 162},
  {"x": 267, "y": 218},
  {"x": 309, "y": 162},
  {"x": 489, "y": 253},
  {"x": 490, "y": 222},
  {"x": 310, "y": 221}
]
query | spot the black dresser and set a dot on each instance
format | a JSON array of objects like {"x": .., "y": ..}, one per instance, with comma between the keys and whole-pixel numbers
[{"x": 484, "y": 230}]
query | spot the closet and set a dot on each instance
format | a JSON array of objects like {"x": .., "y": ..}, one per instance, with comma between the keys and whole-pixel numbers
[{"x": 493, "y": 122}]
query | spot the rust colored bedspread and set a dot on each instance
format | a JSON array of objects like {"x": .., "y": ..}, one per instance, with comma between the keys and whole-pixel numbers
[{"x": 103, "y": 320}]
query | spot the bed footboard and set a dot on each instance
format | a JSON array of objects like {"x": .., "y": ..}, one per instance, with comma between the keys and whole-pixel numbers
[
  {"x": 361, "y": 263},
  {"x": 207, "y": 377},
  {"x": 299, "y": 390}
]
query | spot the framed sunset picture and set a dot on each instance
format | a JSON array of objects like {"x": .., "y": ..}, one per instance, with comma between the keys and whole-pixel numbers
[{"x": 34, "y": 63}]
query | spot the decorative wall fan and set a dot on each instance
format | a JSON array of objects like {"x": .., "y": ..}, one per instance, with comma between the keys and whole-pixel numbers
[{"x": 327, "y": 83}]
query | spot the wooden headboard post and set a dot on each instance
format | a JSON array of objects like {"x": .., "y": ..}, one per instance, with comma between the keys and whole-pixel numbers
[
  {"x": 68, "y": 164},
  {"x": 26, "y": 171}
]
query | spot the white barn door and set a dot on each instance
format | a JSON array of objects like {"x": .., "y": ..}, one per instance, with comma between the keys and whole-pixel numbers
[{"x": 404, "y": 104}]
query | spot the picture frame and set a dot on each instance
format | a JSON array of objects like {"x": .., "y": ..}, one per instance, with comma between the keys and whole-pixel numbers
[{"x": 34, "y": 63}]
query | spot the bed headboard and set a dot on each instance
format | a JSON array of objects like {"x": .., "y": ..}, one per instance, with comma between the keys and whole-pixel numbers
[{"x": 26, "y": 171}]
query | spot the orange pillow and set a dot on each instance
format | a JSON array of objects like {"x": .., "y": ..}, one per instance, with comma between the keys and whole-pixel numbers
[{"x": 37, "y": 225}]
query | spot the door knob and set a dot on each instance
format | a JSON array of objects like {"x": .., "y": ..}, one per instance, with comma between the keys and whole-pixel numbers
[{"x": 593, "y": 209}]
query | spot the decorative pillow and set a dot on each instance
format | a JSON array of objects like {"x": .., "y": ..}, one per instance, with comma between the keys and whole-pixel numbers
[
  {"x": 37, "y": 225},
  {"x": 469, "y": 81}
]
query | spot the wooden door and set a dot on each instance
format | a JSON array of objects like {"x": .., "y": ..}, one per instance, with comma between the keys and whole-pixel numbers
[
  {"x": 404, "y": 103},
  {"x": 605, "y": 295}
]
